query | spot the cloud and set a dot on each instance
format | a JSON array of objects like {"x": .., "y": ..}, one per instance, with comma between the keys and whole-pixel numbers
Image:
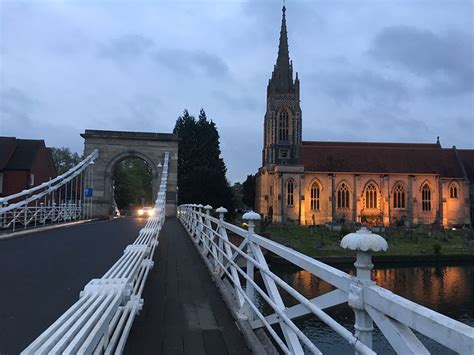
[
  {"x": 193, "y": 62},
  {"x": 345, "y": 86},
  {"x": 67, "y": 66},
  {"x": 127, "y": 46},
  {"x": 445, "y": 60},
  {"x": 236, "y": 101},
  {"x": 15, "y": 107}
]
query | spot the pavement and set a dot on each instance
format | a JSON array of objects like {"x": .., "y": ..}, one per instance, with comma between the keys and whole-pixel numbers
[
  {"x": 183, "y": 313},
  {"x": 42, "y": 273}
]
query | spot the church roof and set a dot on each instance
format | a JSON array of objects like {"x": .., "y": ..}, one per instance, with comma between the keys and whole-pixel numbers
[
  {"x": 467, "y": 159},
  {"x": 370, "y": 144},
  {"x": 380, "y": 158}
]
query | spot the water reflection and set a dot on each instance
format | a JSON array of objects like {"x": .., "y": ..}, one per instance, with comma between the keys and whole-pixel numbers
[{"x": 445, "y": 289}]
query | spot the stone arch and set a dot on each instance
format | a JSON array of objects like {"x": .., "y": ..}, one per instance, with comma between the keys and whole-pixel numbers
[
  {"x": 426, "y": 182},
  {"x": 343, "y": 195},
  {"x": 108, "y": 172},
  {"x": 314, "y": 190},
  {"x": 115, "y": 146},
  {"x": 399, "y": 183},
  {"x": 453, "y": 189},
  {"x": 344, "y": 182},
  {"x": 371, "y": 195},
  {"x": 290, "y": 191},
  {"x": 399, "y": 195},
  {"x": 312, "y": 181},
  {"x": 284, "y": 125},
  {"x": 371, "y": 181}
]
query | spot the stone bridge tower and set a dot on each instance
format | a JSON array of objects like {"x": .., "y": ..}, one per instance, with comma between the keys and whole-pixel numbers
[{"x": 115, "y": 146}]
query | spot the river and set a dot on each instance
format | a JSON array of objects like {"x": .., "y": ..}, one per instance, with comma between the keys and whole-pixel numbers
[{"x": 448, "y": 290}]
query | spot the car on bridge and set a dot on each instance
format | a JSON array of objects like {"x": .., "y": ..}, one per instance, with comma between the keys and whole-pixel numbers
[{"x": 145, "y": 212}]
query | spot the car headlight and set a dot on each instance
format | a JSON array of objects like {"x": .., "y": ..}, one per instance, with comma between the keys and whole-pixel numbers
[
  {"x": 140, "y": 212},
  {"x": 151, "y": 212}
]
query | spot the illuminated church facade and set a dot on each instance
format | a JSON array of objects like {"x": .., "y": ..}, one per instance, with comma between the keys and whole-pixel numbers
[{"x": 315, "y": 182}]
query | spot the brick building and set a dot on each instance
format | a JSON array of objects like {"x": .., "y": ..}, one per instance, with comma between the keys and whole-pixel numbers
[
  {"x": 313, "y": 182},
  {"x": 24, "y": 163}
]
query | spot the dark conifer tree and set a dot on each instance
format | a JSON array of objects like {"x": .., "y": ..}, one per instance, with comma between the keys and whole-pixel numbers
[
  {"x": 201, "y": 170},
  {"x": 248, "y": 191}
]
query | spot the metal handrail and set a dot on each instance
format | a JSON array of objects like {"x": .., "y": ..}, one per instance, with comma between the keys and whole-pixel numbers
[
  {"x": 51, "y": 184},
  {"x": 100, "y": 321},
  {"x": 63, "y": 194},
  {"x": 395, "y": 316}
]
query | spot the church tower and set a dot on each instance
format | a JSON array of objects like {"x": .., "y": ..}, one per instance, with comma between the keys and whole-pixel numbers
[{"x": 282, "y": 124}]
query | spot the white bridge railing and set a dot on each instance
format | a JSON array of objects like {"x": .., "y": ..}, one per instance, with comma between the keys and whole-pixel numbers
[
  {"x": 100, "y": 321},
  {"x": 395, "y": 316},
  {"x": 58, "y": 200}
]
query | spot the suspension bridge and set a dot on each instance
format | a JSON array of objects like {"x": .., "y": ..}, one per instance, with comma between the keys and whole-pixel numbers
[{"x": 176, "y": 283}]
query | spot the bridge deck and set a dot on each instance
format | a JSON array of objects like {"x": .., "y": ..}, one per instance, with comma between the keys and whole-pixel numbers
[{"x": 183, "y": 312}]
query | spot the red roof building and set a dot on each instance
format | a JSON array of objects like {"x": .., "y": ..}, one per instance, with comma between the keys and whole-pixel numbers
[{"x": 24, "y": 163}]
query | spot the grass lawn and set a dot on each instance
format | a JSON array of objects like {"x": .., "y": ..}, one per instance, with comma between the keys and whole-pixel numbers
[{"x": 420, "y": 241}]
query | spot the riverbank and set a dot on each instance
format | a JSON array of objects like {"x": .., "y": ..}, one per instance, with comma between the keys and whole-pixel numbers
[
  {"x": 422, "y": 245},
  {"x": 389, "y": 260}
]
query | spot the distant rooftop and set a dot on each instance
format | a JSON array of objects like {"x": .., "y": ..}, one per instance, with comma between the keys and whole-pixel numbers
[
  {"x": 93, "y": 133},
  {"x": 370, "y": 144}
]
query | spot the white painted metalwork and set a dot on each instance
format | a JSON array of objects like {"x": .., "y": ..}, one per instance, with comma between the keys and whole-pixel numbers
[
  {"x": 58, "y": 200},
  {"x": 100, "y": 321},
  {"x": 395, "y": 316}
]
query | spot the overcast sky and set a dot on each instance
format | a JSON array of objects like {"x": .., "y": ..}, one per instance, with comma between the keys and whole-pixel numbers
[{"x": 373, "y": 70}]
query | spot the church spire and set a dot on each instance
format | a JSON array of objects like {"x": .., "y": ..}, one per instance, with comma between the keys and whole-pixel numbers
[
  {"x": 283, "y": 60},
  {"x": 282, "y": 78},
  {"x": 282, "y": 123}
]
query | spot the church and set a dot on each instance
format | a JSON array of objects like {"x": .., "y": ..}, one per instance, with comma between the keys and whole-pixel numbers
[{"x": 315, "y": 182}]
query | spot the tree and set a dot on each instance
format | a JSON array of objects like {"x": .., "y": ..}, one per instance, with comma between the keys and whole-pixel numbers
[
  {"x": 248, "y": 191},
  {"x": 237, "y": 189},
  {"x": 132, "y": 183},
  {"x": 201, "y": 170},
  {"x": 64, "y": 159}
]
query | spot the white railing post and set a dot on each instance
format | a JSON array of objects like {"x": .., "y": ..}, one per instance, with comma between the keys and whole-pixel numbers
[
  {"x": 200, "y": 225},
  {"x": 364, "y": 242},
  {"x": 3, "y": 215},
  {"x": 207, "y": 233},
  {"x": 194, "y": 223},
  {"x": 26, "y": 213},
  {"x": 251, "y": 217},
  {"x": 222, "y": 234},
  {"x": 91, "y": 164}
]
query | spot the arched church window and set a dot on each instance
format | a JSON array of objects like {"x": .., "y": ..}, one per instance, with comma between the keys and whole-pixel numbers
[
  {"x": 426, "y": 198},
  {"x": 290, "y": 187},
  {"x": 343, "y": 196},
  {"x": 371, "y": 196},
  {"x": 315, "y": 193},
  {"x": 453, "y": 190},
  {"x": 399, "y": 197},
  {"x": 283, "y": 126}
]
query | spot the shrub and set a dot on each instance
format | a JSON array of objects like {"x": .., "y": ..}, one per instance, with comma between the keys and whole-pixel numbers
[{"x": 437, "y": 249}]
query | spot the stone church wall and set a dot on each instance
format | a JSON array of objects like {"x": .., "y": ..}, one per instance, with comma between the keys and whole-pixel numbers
[{"x": 445, "y": 210}]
